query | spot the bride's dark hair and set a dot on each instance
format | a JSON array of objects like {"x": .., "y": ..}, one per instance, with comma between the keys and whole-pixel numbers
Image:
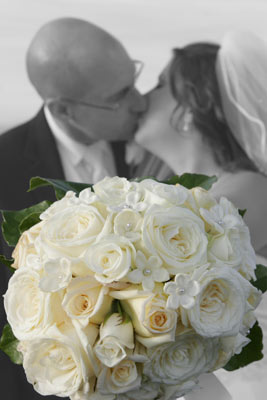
[{"x": 195, "y": 87}]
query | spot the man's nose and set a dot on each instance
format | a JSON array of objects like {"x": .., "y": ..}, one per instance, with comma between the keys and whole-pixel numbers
[{"x": 138, "y": 102}]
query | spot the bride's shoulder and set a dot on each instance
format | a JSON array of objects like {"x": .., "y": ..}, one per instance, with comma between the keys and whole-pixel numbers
[
  {"x": 241, "y": 187},
  {"x": 247, "y": 190}
]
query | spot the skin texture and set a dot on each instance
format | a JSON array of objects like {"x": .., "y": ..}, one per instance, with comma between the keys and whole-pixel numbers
[
  {"x": 73, "y": 59},
  {"x": 161, "y": 132}
]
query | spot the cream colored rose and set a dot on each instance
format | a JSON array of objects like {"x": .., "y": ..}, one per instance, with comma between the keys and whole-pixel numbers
[
  {"x": 26, "y": 246},
  {"x": 184, "y": 359},
  {"x": 120, "y": 379},
  {"x": 128, "y": 223},
  {"x": 230, "y": 244},
  {"x": 152, "y": 321},
  {"x": 87, "y": 300},
  {"x": 173, "y": 392},
  {"x": 71, "y": 231},
  {"x": 30, "y": 311},
  {"x": 58, "y": 365},
  {"x": 69, "y": 200},
  {"x": 112, "y": 191},
  {"x": 147, "y": 391},
  {"x": 177, "y": 236},
  {"x": 110, "y": 258},
  {"x": 233, "y": 248},
  {"x": 203, "y": 198},
  {"x": 221, "y": 303},
  {"x": 92, "y": 394},
  {"x": 229, "y": 346},
  {"x": 116, "y": 336},
  {"x": 163, "y": 194}
]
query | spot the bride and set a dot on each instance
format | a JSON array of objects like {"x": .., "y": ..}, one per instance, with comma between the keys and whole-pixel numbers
[{"x": 208, "y": 115}]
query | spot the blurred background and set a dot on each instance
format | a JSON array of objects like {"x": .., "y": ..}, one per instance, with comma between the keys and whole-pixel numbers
[{"x": 148, "y": 28}]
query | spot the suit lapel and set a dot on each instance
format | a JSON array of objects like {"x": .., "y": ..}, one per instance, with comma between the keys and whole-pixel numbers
[{"x": 41, "y": 152}]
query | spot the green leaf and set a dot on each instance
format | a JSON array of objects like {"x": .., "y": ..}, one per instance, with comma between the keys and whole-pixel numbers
[
  {"x": 242, "y": 212},
  {"x": 8, "y": 343},
  {"x": 7, "y": 262},
  {"x": 187, "y": 180},
  {"x": 193, "y": 180},
  {"x": 250, "y": 353},
  {"x": 14, "y": 220},
  {"x": 142, "y": 178},
  {"x": 261, "y": 278},
  {"x": 29, "y": 221},
  {"x": 60, "y": 186}
]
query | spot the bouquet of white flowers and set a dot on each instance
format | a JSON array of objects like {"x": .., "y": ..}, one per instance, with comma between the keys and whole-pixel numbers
[{"x": 130, "y": 289}]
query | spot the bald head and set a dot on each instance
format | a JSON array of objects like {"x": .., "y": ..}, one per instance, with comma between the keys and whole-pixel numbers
[{"x": 72, "y": 58}]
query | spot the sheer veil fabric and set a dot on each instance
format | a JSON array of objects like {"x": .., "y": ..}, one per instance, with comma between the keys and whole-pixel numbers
[{"x": 242, "y": 75}]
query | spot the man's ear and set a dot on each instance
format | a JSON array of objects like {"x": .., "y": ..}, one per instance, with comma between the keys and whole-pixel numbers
[
  {"x": 60, "y": 109},
  {"x": 219, "y": 114}
]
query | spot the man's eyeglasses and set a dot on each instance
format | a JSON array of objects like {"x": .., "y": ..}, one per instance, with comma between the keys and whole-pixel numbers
[{"x": 139, "y": 65}]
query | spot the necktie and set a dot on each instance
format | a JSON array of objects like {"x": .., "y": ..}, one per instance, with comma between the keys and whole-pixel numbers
[{"x": 122, "y": 167}]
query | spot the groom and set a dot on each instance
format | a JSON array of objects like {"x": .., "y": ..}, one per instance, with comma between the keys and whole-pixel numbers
[{"x": 85, "y": 79}]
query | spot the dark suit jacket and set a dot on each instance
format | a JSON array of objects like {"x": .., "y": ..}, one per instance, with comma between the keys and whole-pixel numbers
[{"x": 26, "y": 151}]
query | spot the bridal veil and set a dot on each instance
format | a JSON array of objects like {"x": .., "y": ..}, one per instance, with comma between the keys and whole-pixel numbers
[{"x": 242, "y": 75}]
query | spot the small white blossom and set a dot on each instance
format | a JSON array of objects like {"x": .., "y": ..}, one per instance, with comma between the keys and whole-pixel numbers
[
  {"x": 57, "y": 275},
  {"x": 181, "y": 292},
  {"x": 148, "y": 271},
  {"x": 222, "y": 217}
]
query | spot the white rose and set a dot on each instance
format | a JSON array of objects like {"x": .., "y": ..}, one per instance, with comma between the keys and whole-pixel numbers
[
  {"x": 147, "y": 391},
  {"x": 128, "y": 223},
  {"x": 173, "y": 392},
  {"x": 87, "y": 300},
  {"x": 152, "y": 321},
  {"x": 203, "y": 198},
  {"x": 92, "y": 394},
  {"x": 68, "y": 200},
  {"x": 30, "y": 311},
  {"x": 253, "y": 301},
  {"x": 112, "y": 191},
  {"x": 116, "y": 333},
  {"x": 231, "y": 244},
  {"x": 26, "y": 246},
  {"x": 110, "y": 258},
  {"x": 163, "y": 194},
  {"x": 233, "y": 248},
  {"x": 177, "y": 236},
  {"x": 186, "y": 358},
  {"x": 119, "y": 379},
  {"x": 58, "y": 365},
  {"x": 230, "y": 345},
  {"x": 71, "y": 231},
  {"x": 221, "y": 303}
]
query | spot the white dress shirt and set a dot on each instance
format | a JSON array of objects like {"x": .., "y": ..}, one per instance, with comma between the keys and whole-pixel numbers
[{"x": 82, "y": 163}]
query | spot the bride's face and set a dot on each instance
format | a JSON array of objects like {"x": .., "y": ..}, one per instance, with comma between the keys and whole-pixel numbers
[{"x": 159, "y": 129}]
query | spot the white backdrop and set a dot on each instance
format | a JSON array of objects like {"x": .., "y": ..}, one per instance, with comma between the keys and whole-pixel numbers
[{"x": 148, "y": 28}]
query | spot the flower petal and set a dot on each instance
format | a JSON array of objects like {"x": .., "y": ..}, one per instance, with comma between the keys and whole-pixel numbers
[
  {"x": 187, "y": 301},
  {"x": 135, "y": 276},
  {"x": 193, "y": 288}
]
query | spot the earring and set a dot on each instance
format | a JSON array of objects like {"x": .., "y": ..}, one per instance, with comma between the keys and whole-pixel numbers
[{"x": 188, "y": 119}]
